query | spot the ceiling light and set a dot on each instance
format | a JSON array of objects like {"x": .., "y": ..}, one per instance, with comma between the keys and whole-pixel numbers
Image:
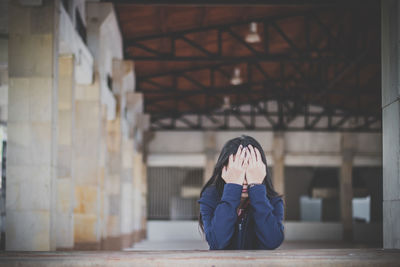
[
  {"x": 252, "y": 36},
  {"x": 236, "y": 79}
]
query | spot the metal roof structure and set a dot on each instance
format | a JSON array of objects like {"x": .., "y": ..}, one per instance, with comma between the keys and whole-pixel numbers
[{"x": 316, "y": 67}]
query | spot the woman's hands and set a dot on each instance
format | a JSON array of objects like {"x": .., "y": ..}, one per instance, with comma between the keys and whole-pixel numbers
[
  {"x": 235, "y": 171},
  {"x": 248, "y": 164},
  {"x": 256, "y": 169}
]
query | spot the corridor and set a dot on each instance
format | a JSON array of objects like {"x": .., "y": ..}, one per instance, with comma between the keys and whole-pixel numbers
[{"x": 115, "y": 114}]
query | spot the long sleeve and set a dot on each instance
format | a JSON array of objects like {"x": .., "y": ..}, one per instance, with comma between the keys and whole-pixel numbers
[
  {"x": 268, "y": 218},
  {"x": 219, "y": 217}
]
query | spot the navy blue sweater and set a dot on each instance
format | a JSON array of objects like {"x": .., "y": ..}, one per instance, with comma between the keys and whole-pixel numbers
[{"x": 261, "y": 227}]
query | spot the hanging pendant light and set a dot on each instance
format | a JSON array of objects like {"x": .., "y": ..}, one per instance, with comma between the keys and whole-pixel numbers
[
  {"x": 253, "y": 36},
  {"x": 236, "y": 79}
]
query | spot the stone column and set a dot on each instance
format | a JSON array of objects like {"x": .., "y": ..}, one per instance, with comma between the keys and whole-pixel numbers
[
  {"x": 121, "y": 72},
  {"x": 103, "y": 170},
  {"x": 3, "y": 94},
  {"x": 139, "y": 196},
  {"x": 278, "y": 155},
  {"x": 147, "y": 137},
  {"x": 391, "y": 122},
  {"x": 86, "y": 161},
  {"x": 3, "y": 61},
  {"x": 113, "y": 184},
  {"x": 137, "y": 125},
  {"x": 346, "y": 190},
  {"x": 127, "y": 193},
  {"x": 209, "y": 151},
  {"x": 32, "y": 126},
  {"x": 143, "y": 231},
  {"x": 65, "y": 181}
]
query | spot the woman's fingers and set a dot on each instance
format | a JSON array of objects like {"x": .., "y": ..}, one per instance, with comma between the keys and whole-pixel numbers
[
  {"x": 223, "y": 174},
  {"x": 246, "y": 159},
  {"x": 238, "y": 152},
  {"x": 239, "y": 161},
  {"x": 235, "y": 170},
  {"x": 253, "y": 155},
  {"x": 261, "y": 163},
  {"x": 230, "y": 160},
  {"x": 258, "y": 155}
]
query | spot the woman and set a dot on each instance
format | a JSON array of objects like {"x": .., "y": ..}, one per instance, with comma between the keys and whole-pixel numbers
[{"x": 239, "y": 208}]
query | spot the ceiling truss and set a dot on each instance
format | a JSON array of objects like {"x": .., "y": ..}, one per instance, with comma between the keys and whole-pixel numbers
[
  {"x": 137, "y": 49},
  {"x": 302, "y": 91}
]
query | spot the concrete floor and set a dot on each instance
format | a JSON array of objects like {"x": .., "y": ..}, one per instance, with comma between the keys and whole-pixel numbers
[
  {"x": 298, "y": 257},
  {"x": 169, "y": 245},
  {"x": 195, "y": 253},
  {"x": 147, "y": 245}
]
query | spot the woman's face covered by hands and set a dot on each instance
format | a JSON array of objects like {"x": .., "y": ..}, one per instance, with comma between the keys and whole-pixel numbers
[{"x": 244, "y": 167}]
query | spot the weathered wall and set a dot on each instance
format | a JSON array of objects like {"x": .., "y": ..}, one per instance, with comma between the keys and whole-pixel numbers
[
  {"x": 3, "y": 60},
  {"x": 65, "y": 169},
  {"x": 87, "y": 223},
  {"x": 75, "y": 175},
  {"x": 301, "y": 148},
  {"x": 32, "y": 127},
  {"x": 391, "y": 122}
]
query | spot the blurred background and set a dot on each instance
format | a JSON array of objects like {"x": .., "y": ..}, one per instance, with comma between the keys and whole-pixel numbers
[{"x": 113, "y": 113}]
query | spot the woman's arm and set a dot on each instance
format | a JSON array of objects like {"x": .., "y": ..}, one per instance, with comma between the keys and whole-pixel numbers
[
  {"x": 219, "y": 218},
  {"x": 268, "y": 218}
]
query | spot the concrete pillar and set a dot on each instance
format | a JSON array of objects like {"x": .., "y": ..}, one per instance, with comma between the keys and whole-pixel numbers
[
  {"x": 209, "y": 151},
  {"x": 391, "y": 122},
  {"x": 123, "y": 85},
  {"x": 3, "y": 61},
  {"x": 147, "y": 137},
  {"x": 113, "y": 185},
  {"x": 119, "y": 162},
  {"x": 65, "y": 176},
  {"x": 137, "y": 125},
  {"x": 32, "y": 127},
  {"x": 86, "y": 158},
  {"x": 346, "y": 190},
  {"x": 103, "y": 170},
  {"x": 278, "y": 155},
  {"x": 126, "y": 225},
  {"x": 139, "y": 196},
  {"x": 3, "y": 92},
  {"x": 143, "y": 231}
]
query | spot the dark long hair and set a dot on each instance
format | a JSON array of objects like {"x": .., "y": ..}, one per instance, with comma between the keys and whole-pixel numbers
[{"x": 229, "y": 148}]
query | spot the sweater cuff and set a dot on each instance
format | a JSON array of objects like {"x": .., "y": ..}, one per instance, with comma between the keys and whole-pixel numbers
[
  {"x": 258, "y": 194},
  {"x": 232, "y": 192}
]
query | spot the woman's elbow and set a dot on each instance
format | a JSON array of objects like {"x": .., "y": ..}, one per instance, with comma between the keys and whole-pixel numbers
[
  {"x": 216, "y": 244},
  {"x": 277, "y": 243},
  {"x": 222, "y": 245},
  {"x": 274, "y": 242}
]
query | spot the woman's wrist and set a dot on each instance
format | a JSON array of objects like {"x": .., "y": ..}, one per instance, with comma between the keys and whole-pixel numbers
[
  {"x": 255, "y": 180},
  {"x": 231, "y": 192},
  {"x": 252, "y": 184},
  {"x": 234, "y": 182}
]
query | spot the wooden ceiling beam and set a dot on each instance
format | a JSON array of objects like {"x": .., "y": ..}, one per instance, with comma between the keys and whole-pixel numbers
[
  {"x": 134, "y": 47},
  {"x": 346, "y": 3}
]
